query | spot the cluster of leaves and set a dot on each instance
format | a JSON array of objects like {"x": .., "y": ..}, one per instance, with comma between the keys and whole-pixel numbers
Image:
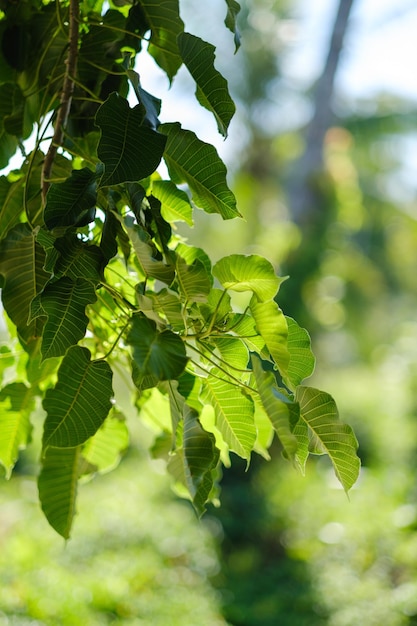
[{"x": 95, "y": 278}]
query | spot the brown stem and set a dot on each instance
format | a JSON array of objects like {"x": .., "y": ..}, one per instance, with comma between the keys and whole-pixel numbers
[{"x": 66, "y": 96}]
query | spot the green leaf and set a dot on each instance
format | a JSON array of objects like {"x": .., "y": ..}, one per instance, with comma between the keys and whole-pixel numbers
[
  {"x": 239, "y": 272},
  {"x": 272, "y": 326},
  {"x": 233, "y": 353},
  {"x": 302, "y": 359},
  {"x": 175, "y": 203},
  {"x": 212, "y": 91},
  {"x": 190, "y": 160},
  {"x": 165, "y": 24},
  {"x": 104, "y": 450},
  {"x": 233, "y": 9},
  {"x": 162, "y": 306},
  {"x": 21, "y": 264},
  {"x": 234, "y": 413},
  {"x": 194, "y": 463},
  {"x": 146, "y": 252},
  {"x": 78, "y": 259},
  {"x": 80, "y": 401},
  {"x": 328, "y": 435},
  {"x": 243, "y": 326},
  {"x": 193, "y": 280},
  {"x": 73, "y": 202},
  {"x": 64, "y": 302},
  {"x": 161, "y": 355},
  {"x": 280, "y": 410},
  {"x": 129, "y": 150},
  {"x": 16, "y": 404},
  {"x": 57, "y": 484},
  {"x": 11, "y": 204}
]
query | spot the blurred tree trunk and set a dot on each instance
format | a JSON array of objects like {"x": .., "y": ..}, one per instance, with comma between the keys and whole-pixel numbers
[{"x": 301, "y": 193}]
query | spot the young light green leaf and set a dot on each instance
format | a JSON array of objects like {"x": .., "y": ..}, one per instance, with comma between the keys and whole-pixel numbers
[
  {"x": 244, "y": 327},
  {"x": 80, "y": 401},
  {"x": 233, "y": 9},
  {"x": 21, "y": 264},
  {"x": 328, "y": 435},
  {"x": 233, "y": 353},
  {"x": 234, "y": 413},
  {"x": 57, "y": 485},
  {"x": 193, "y": 281},
  {"x": 272, "y": 326},
  {"x": 129, "y": 150},
  {"x": 16, "y": 404},
  {"x": 145, "y": 251},
  {"x": 195, "y": 462},
  {"x": 239, "y": 272},
  {"x": 103, "y": 450},
  {"x": 212, "y": 91},
  {"x": 175, "y": 203},
  {"x": 73, "y": 202},
  {"x": 302, "y": 359},
  {"x": 281, "y": 411},
  {"x": 64, "y": 302},
  {"x": 158, "y": 354},
  {"x": 190, "y": 160}
]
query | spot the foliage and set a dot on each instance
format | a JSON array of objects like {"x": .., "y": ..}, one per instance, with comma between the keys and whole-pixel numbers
[{"x": 95, "y": 279}]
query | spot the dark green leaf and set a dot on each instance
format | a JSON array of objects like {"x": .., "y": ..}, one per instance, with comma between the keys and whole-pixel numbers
[
  {"x": 57, "y": 484},
  {"x": 73, "y": 202},
  {"x": 151, "y": 104},
  {"x": 11, "y": 204},
  {"x": 212, "y": 91},
  {"x": 158, "y": 354},
  {"x": 64, "y": 302},
  {"x": 80, "y": 401},
  {"x": 165, "y": 25},
  {"x": 78, "y": 259},
  {"x": 21, "y": 264},
  {"x": 233, "y": 9},
  {"x": 196, "y": 163},
  {"x": 129, "y": 150},
  {"x": 146, "y": 252}
]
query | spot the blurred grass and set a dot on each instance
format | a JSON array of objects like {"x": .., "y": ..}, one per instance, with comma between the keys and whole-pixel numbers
[{"x": 137, "y": 556}]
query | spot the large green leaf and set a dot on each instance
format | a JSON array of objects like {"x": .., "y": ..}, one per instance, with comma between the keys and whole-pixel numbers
[
  {"x": 328, "y": 435},
  {"x": 272, "y": 326},
  {"x": 103, "y": 451},
  {"x": 21, "y": 264},
  {"x": 234, "y": 413},
  {"x": 193, "y": 281},
  {"x": 73, "y": 202},
  {"x": 129, "y": 150},
  {"x": 161, "y": 355},
  {"x": 302, "y": 359},
  {"x": 175, "y": 203},
  {"x": 233, "y": 353},
  {"x": 78, "y": 259},
  {"x": 57, "y": 484},
  {"x": 281, "y": 411},
  {"x": 194, "y": 463},
  {"x": 80, "y": 401},
  {"x": 239, "y": 272},
  {"x": 16, "y": 404},
  {"x": 212, "y": 91},
  {"x": 64, "y": 302},
  {"x": 190, "y": 160},
  {"x": 233, "y": 9},
  {"x": 165, "y": 24}
]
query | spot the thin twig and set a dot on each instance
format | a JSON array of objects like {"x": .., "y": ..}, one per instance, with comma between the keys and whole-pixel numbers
[{"x": 66, "y": 96}]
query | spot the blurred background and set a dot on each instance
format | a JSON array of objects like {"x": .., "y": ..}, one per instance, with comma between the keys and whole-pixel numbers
[{"x": 322, "y": 156}]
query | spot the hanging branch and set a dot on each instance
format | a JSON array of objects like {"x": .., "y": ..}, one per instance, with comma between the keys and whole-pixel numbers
[{"x": 66, "y": 96}]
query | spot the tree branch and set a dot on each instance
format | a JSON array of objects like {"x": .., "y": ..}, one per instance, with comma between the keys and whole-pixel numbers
[{"x": 66, "y": 96}]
